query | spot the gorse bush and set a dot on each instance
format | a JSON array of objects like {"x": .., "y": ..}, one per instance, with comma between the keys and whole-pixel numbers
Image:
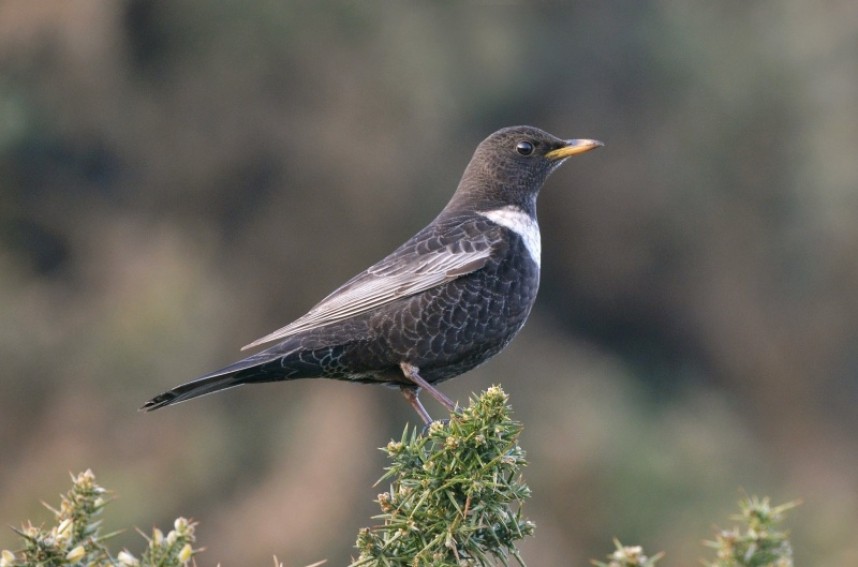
[
  {"x": 758, "y": 541},
  {"x": 76, "y": 539},
  {"x": 455, "y": 493}
]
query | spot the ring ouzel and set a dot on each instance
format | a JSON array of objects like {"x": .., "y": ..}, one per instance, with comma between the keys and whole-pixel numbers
[{"x": 447, "y": 300}]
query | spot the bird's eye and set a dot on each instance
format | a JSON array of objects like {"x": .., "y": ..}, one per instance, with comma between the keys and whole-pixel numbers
[{"x": 524, "y": 148}]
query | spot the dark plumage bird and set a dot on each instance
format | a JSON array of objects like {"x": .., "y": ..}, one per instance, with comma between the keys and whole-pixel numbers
[{"x": 447, "y": 300}]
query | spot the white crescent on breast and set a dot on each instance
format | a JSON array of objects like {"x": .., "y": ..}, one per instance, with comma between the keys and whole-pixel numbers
[{"x": 520, "y": 223}]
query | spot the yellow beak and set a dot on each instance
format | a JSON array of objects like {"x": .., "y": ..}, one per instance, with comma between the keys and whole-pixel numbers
[{"x": 573, "y": 147}]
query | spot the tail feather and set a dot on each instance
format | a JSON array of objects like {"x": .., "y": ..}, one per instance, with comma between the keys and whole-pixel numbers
[
  {"x": 231, "y": 376},
  {"x": 199, "y": 387}
]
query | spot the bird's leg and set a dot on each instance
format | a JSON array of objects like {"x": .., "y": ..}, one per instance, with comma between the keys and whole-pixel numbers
[
  {"x": 412, "y": 373},
  {"x": 411, "y": 396}
]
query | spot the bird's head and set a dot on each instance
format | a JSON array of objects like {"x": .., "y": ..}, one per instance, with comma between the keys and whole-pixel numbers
[{"x": 511, "y": 165}]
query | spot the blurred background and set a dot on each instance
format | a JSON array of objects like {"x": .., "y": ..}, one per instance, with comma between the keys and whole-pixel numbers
[{"x": 178, "y": 178}]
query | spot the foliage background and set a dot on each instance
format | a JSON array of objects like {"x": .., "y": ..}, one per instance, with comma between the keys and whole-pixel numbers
[{"x": 180, "y": 177}]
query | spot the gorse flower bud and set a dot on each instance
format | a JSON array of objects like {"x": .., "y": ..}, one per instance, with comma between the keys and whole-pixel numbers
[
  {"x": 64, "y": 530},
  {"x": 182, "y": 526},
  {"x": 127, "y": 559},
  {"x": 629, "y": 556},
  {"x": 76, "y": 554},
  {"x": 185, "y": 553}
]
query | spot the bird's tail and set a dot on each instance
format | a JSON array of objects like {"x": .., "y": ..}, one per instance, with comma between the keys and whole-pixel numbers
[
  {"x": 231, "y": 376},
  {"x": 194, "y": 389}
]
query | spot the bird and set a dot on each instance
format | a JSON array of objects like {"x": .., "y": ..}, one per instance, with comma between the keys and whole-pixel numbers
[{"x": 447, "y": 300}]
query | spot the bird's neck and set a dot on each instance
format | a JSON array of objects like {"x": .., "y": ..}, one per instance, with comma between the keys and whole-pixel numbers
[{"x": 478, "y": 192}]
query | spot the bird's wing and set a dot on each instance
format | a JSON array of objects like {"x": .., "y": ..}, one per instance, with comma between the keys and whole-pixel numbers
[{"x": 427, "y": 260}]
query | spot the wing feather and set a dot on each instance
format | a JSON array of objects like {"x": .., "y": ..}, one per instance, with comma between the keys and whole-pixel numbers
[{"x": 425, "y": 261}]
